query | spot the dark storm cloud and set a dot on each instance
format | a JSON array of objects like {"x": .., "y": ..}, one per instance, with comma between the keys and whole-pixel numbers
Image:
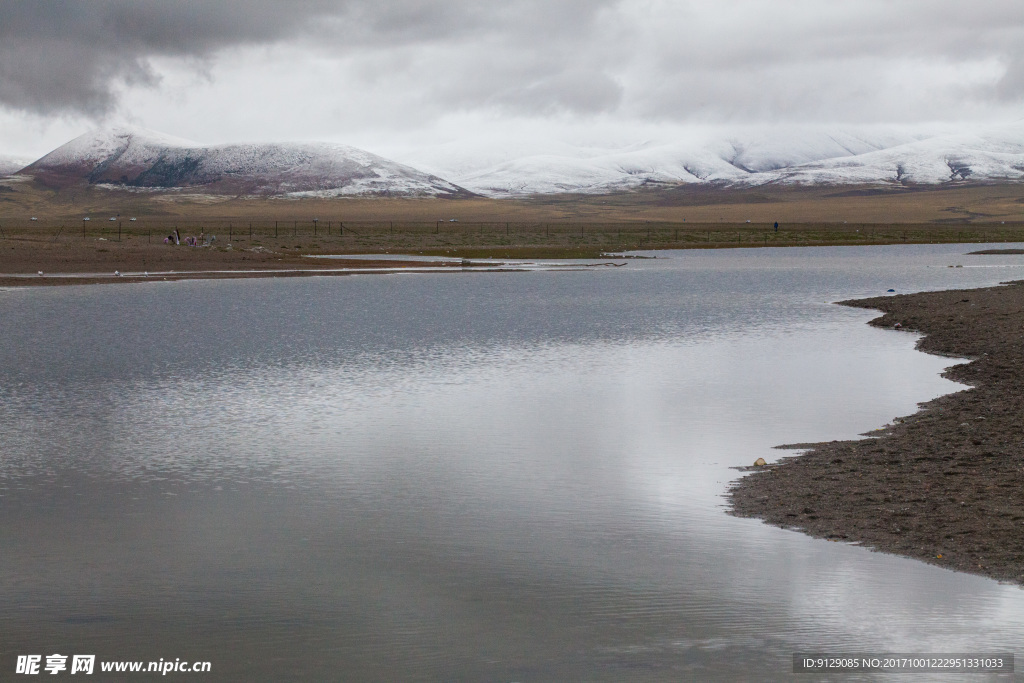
[
  {"x": 66, "y": 55},
  {"x": 656, "y": 59}
]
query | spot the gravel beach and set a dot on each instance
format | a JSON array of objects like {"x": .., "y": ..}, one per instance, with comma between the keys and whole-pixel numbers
[{"x": 943, "y": 485}]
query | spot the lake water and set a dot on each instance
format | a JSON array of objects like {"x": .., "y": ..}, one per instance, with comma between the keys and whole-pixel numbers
[{"x": 467, "y": 476}]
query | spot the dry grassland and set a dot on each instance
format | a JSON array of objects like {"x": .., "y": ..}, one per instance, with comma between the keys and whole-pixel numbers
[{"x": 556, "y": 226}]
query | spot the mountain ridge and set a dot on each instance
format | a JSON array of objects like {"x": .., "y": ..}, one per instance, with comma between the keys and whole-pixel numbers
[
  {"x": 139, "y": 159},
  {"x": 814, "y": 157},
  {"x": 142, "y": 160}
]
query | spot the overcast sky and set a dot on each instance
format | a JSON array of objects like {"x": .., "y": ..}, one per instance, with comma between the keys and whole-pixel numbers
[{"x": 392, "y": 75}]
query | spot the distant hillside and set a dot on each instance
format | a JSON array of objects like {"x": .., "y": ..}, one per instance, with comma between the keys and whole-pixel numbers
[
  {"x": 811, "y": 156},
  {"x": 9, "y": 165},
  {"x": 145, "y": 160}
]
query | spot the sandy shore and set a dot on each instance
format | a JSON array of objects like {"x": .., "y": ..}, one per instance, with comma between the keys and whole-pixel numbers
[{"x": 943, "y": 485}]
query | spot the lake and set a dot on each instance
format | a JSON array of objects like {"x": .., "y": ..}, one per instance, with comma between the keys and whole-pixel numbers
[{"x": 464, "y": 476}]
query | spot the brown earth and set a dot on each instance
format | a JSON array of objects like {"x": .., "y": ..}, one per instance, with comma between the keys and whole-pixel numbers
[
  {"x": 554, "y": 226},
  {"x": 943, "y": 485},
  {"x": 950, "y": 204},
  {"x": 92, "y": 261}
]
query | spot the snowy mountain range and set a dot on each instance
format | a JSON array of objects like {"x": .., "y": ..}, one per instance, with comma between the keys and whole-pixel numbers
[
  {"x": 148, "y": 161},
  {"x": 804, "y": 157},
  {"x": 139, "y": 159}
]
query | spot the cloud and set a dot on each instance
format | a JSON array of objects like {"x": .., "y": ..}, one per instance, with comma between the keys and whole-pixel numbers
[
  {"x": 410, "y": 62},
  {"x": 1011, "y": 85},
  {"x": 61, "y": 56},
  {"x": 860, "y": 61}
]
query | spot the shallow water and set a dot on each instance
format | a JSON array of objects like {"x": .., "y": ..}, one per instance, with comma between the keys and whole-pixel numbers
[{"x": 466, "y": 476}]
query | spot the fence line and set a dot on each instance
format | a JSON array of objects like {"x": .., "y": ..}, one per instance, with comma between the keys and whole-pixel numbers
[{"x": 633, "y": 232}]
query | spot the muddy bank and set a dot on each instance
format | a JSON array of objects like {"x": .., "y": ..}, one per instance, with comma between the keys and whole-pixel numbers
[
  {"x": 945, "y": 485},
  {"x": 96, "y": 261}
]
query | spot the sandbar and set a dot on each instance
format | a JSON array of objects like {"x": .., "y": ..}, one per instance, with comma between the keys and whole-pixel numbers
[{"x": 943, "y": 485}]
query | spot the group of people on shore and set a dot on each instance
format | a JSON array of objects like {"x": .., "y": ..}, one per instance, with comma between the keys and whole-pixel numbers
[{"x": 175, "y": 238}]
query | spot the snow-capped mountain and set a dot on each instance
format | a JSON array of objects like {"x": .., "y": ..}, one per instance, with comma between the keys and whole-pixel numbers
[
  {"x": 9, "y": 165},
  {"x": 992, "y": 154},
  {"x": 137, "y": 158},
  {"x": 792, "y": 156}
]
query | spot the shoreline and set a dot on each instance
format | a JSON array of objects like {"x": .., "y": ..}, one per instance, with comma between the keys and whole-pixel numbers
[
  {"x": 23, "y": 280},
  {"x": 23, "y": 258},
  {"x": 9, "y": 281},
  {"x": 35, "y": 262},
  {"x": 942, "y": 485}
]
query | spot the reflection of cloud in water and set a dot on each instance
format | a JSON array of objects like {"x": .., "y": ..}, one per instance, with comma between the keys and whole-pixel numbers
[{"x": 541, "y": 494}]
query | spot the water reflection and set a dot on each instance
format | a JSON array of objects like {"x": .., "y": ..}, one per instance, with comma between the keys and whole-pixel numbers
[{"x": 512, "y": 476}]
